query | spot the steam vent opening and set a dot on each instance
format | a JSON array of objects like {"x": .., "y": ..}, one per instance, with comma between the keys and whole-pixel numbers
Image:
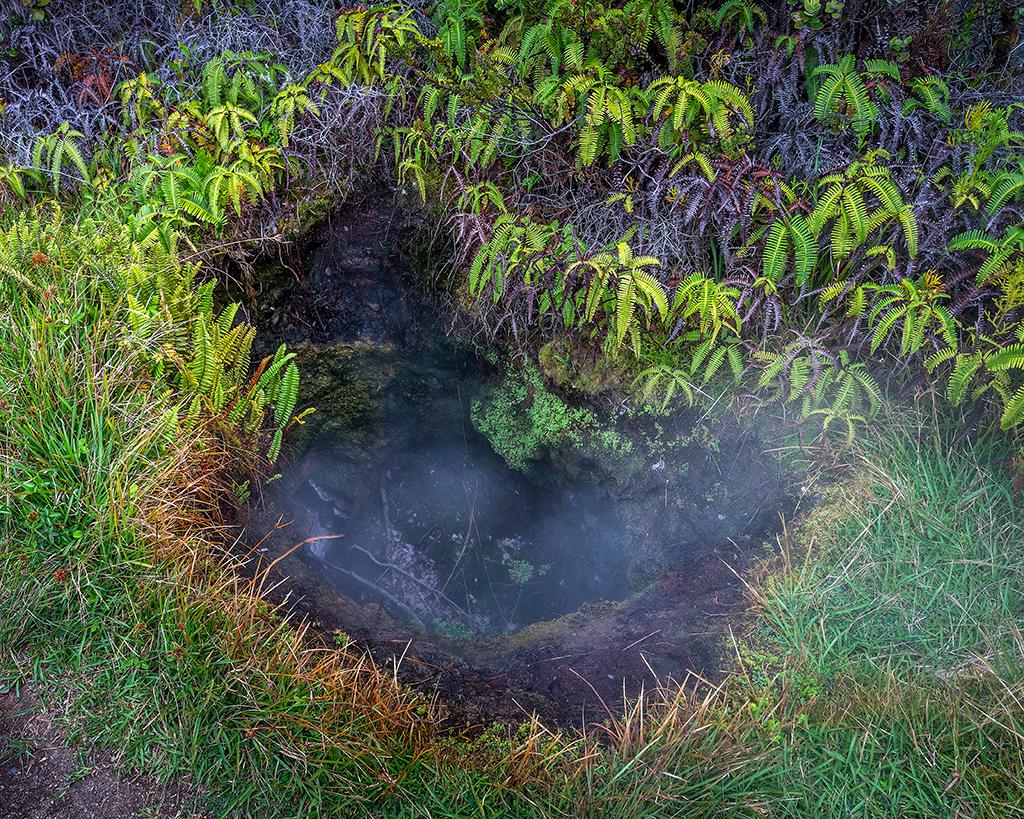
[{"x": 517, "y": 544}]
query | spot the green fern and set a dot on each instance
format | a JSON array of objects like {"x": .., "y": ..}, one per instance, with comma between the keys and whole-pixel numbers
[
  {"x": 843, "y": 94},
  {"x": 367, "y": 40},
  {"x": 291, "y": 101},
  {"x": 664, "y": 384},
  {"x": 740, "y": 13},
  {"x": 516, "y": 248},
  {"x": 843, "y": 202},
  {"x": 676, "y": 376},
  {"x": 621, "y": 284},
  {"x": 1002, "y": 253},
  {"x": 712, "y": 107},
  {"x": 914, "y": 305},
  {"x": 52, "y": 153},
  {"x": 287, "y": 395},
  {"x": 825, "y": 385},
  {"x": 609, "y": 111},
  {"x": 211, "y": 354},
  {"x": 711, "y": 303},
  {"x": 784, "y": 235},
  {"x": 930, "y": 93},
  {"x": 1006, "y": 186},
  {"x": 458, "y": 21},
  {"x": 13, "y": 179}
]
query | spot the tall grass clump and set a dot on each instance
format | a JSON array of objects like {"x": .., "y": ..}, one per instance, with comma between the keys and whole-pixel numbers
[{"x": 885, "y": 654}]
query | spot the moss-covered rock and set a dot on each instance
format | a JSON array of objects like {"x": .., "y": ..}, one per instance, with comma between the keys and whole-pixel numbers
[
  {"x": 344, "y": 382},
  {"x": 587, "y": 370}
]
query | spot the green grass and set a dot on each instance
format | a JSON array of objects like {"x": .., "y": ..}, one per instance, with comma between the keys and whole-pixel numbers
[
  {"x": 881, "y": 675},
  {"x": 891, "y": 632},
  {"x": 916, "y": 565}
]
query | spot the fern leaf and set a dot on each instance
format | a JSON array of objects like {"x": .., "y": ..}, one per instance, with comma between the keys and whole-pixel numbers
[
  {"x": 805, "y": 248},
  {"x": 964, "y": 370},
  {"x": 287, "y": 395},
  {"x": 776, "y": 250},
  {"x": 1010, "y": 357},
  {"x": 625, "y": 307}
]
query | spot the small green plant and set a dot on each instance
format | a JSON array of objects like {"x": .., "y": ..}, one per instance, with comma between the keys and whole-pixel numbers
[
  {"x": 810, "y": 13},
  {"x": 52, "y": 153},
  {"x": 679, "y": 375},
  {"x": 842, "y": 94},
  {"x": 989, "y": 367},
  {"x": 1002, "y": 253},
  {"x": 787, "y": 236},
  {"x": 610, "y": 118},
  {"x": 707, "y": 303},
  {"x": 916, "y": 307},
  {"x": 518, "y": 247},
  {"x": 742, "y": 14},
  {"x": 843, "y": 202},
  {"x": 623, "y": 287},
  {"x": 826, "y": 386},
  {"x": 683, "y": 105},
  {"x": 367, "y": 39},
  {"x": 520, "y": 571},
  {"x": 340, "y": 638},
  {"x": 931, "y": 94},
  {"x": 211, "y": 354}
]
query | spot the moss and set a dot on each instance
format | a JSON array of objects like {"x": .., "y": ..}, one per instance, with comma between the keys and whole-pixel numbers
[
  {"x": 454, "y": 629},
  {"x": 523, "y": 421},
  {"x": 555, "y": 360},
  {"x": 311, "y": 206},
  {"x": 589, "y": 371},
  {"x": 547, "y": 631},
  {"x": 344, "y": 381},
  {"x": 520, "y": 571},
  {"x": 521, "y": 418}
]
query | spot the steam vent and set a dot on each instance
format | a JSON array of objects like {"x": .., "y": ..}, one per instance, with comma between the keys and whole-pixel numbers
[{"x": 513, "y": 541}]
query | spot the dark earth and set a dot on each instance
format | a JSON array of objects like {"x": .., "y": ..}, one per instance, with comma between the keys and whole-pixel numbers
[{"x": 420, "y": 544}]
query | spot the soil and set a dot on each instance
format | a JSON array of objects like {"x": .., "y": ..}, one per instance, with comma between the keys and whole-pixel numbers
[
  {"x": 42, "y": 776},
  {"x": 696, "y": 520}
]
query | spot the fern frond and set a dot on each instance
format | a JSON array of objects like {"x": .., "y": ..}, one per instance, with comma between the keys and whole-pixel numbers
[
  {"x": 1010, "y": 357},
  {"x": 1013, "y": 410},
  {"x": 964, "y": 370},
  {"x": 776, "y": 250}
]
